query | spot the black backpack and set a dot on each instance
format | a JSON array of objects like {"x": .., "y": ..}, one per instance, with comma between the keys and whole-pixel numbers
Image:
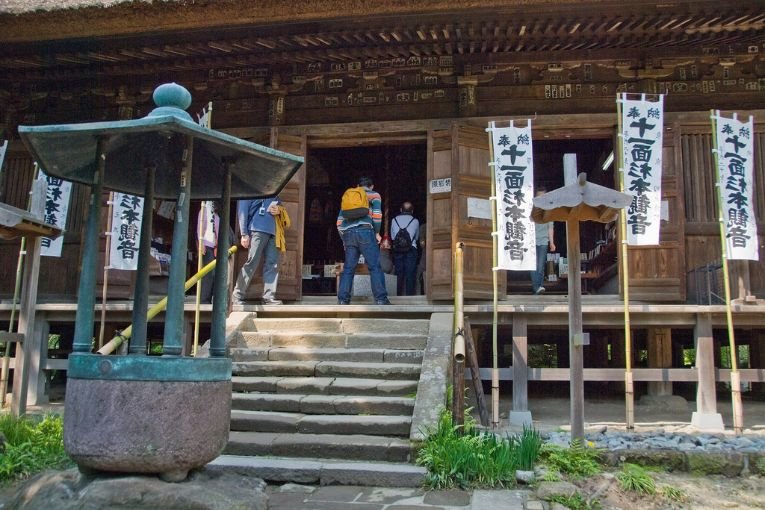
[{"x": 402, "y": 243}]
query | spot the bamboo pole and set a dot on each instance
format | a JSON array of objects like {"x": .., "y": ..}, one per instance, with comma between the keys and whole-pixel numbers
[
  {"x": 115, "y": 342},
  {"x": 735, "y": 375},
  {"x": 629, "y": 387},
  {"x": 201, "y": 217},
  {"x": 458, "y": 394},
  {"x": 107, "y": 250},
  {"x": 494, "y": 269},
  {"x": 4, "y": 372}
]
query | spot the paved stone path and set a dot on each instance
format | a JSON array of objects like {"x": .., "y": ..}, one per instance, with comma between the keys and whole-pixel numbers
[{"x": 304, "y": 497}]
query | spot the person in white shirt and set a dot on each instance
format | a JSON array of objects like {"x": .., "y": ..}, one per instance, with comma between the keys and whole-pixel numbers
[{"x": 405, "y": 249}]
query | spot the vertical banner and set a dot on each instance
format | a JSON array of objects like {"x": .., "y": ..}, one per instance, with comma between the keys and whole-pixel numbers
[
  {"x": 735, "y": 151},
  {"x": 209, "y": 232},
  {"x": 642, "y": 142},
  {"x": 127, "y": 214},
  {"x": 514, "y": 175},
  {"x": 3, "y": 149},
  {"x": 56, "y": 210}
]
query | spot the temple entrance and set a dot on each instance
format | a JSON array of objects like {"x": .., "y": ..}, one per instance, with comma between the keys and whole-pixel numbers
[
  {"x": 598, "y": 241},
  {"x": 399, "y": 174}
]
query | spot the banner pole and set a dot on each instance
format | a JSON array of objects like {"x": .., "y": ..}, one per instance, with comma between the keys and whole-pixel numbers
[
  {"x": 16, "y": 293},
  {"x": 201, "y": 217},
  {"x": 629, "y": 390},
  {"x": 494, "y": 263},
  {"x": 735, "y": 375},
  {"x": 107, "y": 261}
]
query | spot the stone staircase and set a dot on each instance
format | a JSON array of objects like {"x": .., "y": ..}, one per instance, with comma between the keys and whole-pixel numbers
[{"x": 325, "y": 392}]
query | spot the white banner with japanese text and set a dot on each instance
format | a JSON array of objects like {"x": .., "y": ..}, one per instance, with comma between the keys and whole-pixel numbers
[
  {"x": 642, "y": 141},
  {"x": 514, "y": 177},
  {"x": 56, "y": 210},
  {"x": 3, "y": 149},
  {"x": 735, "y": 152},
  {"x": 127, "y": 213}
]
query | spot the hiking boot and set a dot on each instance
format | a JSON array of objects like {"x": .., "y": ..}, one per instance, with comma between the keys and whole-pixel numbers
[
  {"x": 385, "y": 301},
  {"x": 271, "y": 301}
]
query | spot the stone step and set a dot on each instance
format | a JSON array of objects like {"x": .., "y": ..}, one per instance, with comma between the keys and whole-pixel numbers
[
  {"x": 292, "y": 339},
  {"x": 361, "y": 340},
  {"x": 348, "y": 326},
  {"x": 299, "y": 423},
  {"x": 326, "y": 354},
  {"x": 332, "y": 446},
  {"x": 321, "y": 471},
  {"x": 327, "y": 369},
  {"x": 322, "y": 404},
  {"x": 325, "y": 385}
]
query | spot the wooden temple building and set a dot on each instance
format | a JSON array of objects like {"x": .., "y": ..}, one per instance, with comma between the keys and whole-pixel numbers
[{"x": 403, "y": 91}]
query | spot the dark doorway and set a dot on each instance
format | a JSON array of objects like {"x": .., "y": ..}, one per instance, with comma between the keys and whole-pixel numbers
[
  {"x": 399, "y": 174},
  {"x": 598, "y": 241}
]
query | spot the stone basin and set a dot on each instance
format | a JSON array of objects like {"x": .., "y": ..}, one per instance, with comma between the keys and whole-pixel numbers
[{"x": 146, "y": 414}]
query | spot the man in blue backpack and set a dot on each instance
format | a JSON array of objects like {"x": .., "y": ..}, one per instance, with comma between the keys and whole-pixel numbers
[
  {"x": 361, "y": 236},
  {"x": 405, "y": 231}
]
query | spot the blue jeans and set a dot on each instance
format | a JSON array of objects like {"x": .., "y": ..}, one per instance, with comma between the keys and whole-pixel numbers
[
  {"x": 361, "y": 241},
  {"x": 406, "y": 271},
  {"x": 538, "y": 276}
]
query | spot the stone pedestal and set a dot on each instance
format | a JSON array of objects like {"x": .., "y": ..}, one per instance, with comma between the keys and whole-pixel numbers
[{"x": 138, "y": 414}]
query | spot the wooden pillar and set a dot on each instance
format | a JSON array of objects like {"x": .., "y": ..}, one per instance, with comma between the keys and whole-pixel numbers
[
  {"x": 757, "y": 357},
  {"x": 659, "y": 356},
  {"x": 520, "y": 414},
  {"x": 38, "y": 354},
  {"x": 26, "y": 350},
  {"x": 706, "y": 416}
]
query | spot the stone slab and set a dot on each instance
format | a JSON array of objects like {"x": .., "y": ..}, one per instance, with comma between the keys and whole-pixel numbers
[
  {"x": 326, "y": 354},
  {"x": 315, "y": 340},
  {"x": 520, "y": 419},
  {"x": 282, "y": 402},
  {"x": 362, "y": 473},
  {"x": 274, "y": 368},
  {"x": 355, "y": 424},
  {"x": 304, "y": 385},
  {"x": 270, "y": 469},
  {"x": 386, "y": 341},
  {"x": 368, "y": 370},
  {"x": 498, "y": 500},
  {"x": 245, "y": 383},
  {"x": 453, "y": 497}
]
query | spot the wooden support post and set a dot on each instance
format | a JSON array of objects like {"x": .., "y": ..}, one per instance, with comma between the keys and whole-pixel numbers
[
  {"x": 24, "y": 350},
  {"x": 757, "y": 357},
  {"x": 706, "y": 416},
  {"x": 520, "y": 414},
  {"x": 458, "y": 399},
  {"x": 475, "y": 374},
  {"x": 38, "y": 353},
  {"x": 575, "y": 330},
  {"x": 659, "y": 356}
]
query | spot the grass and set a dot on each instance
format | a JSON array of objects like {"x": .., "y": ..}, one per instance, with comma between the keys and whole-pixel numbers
[
  {"x": 578, "y": 461},
  {"x": 673, "y": 493},
  {"x": 462, "y": 456},
  {"x": 634, "y": 478},
  {"x": 32, "y": 445},
  {"x": 576, "y": 502}
]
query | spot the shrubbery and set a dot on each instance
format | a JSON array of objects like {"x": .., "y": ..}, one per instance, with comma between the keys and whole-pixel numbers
[{"x": 31, "y": 445}]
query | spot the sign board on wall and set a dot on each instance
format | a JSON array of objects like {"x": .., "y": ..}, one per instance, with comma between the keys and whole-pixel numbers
[{"x": 440, "y": 185}]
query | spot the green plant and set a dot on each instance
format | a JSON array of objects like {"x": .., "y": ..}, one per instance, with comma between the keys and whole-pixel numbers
[
  {"x": 462, "y": 456},
  {"x": 31, "y": 445},
  {"x": 551, "y": 476},
  {"x": 529, "y": 445},
  {"x": 578, "y": 461},
  {"x": 576, "y": 502},
  {"x": 634, "y": 478},
  {"x": 673, "y": 493}
]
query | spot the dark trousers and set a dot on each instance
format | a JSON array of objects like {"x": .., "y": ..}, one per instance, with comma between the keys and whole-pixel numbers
[{"x": 406, "y": 272}]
